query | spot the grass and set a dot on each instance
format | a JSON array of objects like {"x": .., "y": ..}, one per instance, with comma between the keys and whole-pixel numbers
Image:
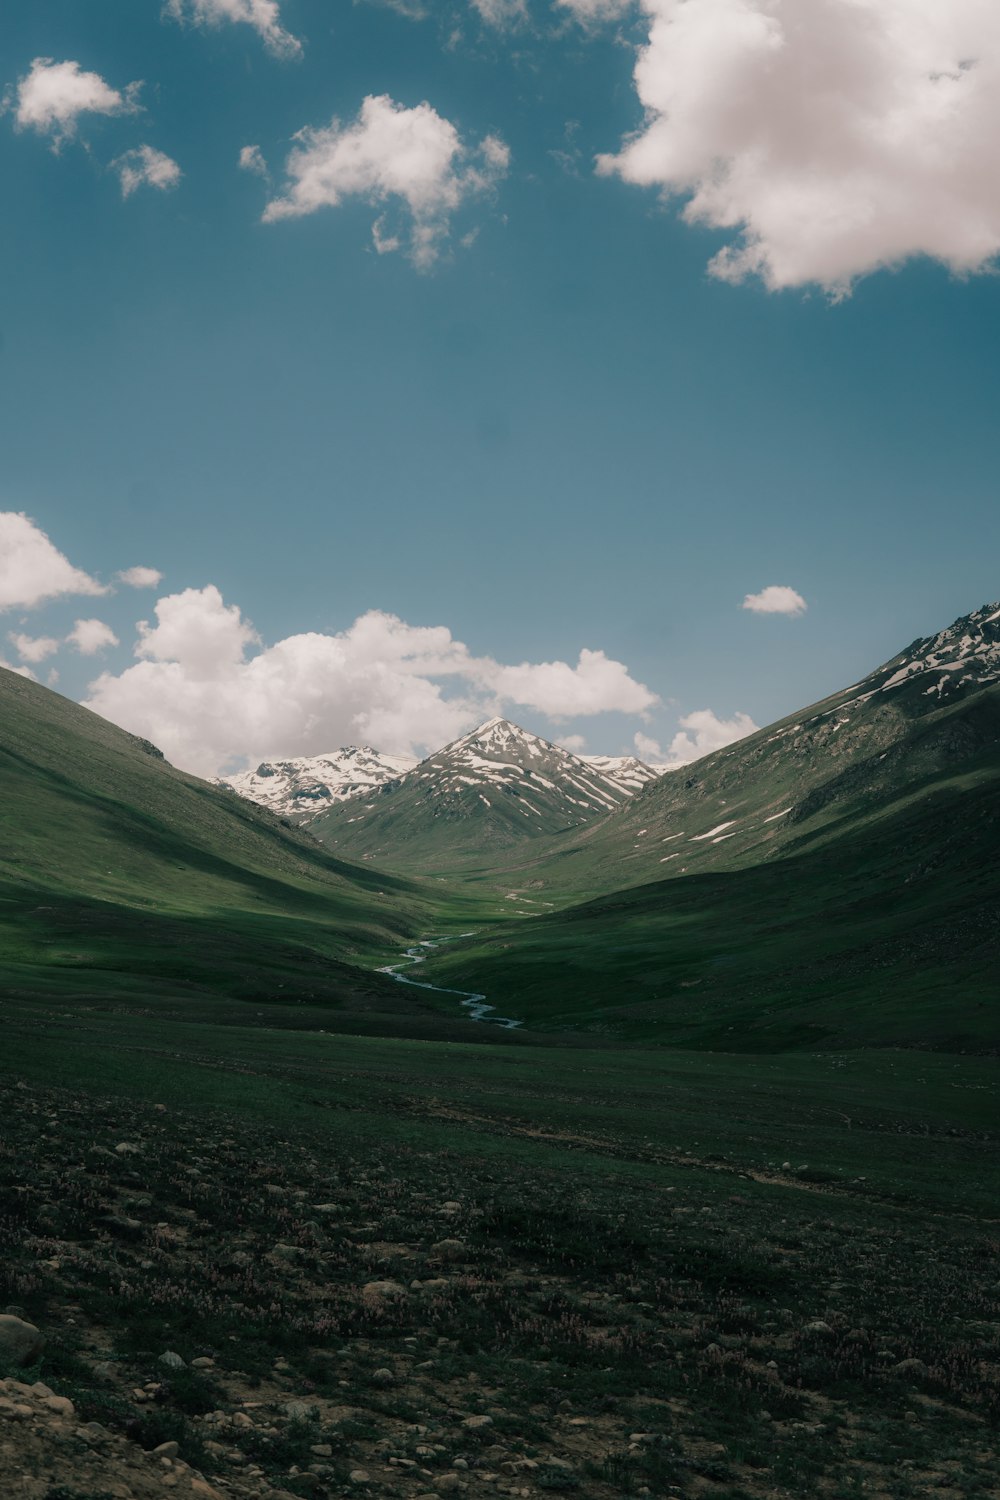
[
  {"x": 121, "y": 877},
  {"x": 627, "y": 1256},
  {"x": 887, "y": 936}
]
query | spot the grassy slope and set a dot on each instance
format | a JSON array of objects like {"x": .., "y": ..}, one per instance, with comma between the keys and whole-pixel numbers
[
  {"x": 120, "y": 874},
  {"x": 789, "y": 788},
  {"x": 887, "y": 932}
]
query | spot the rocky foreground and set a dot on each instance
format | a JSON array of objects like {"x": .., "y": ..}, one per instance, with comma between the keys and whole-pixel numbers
[{"x": 203, "y": 1306}]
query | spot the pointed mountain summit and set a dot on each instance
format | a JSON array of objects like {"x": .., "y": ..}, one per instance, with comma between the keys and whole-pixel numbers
[
  {"x": 495, "y": 788},
  {"x": 304, "y": 786}
]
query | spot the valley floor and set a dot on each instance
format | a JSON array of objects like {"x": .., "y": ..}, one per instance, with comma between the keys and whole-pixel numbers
[{"x": 416, "y": 1268}]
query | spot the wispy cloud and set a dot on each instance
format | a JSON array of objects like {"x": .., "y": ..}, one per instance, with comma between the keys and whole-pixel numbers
[
  {"x": 33, "y": 648},
  {"x": 91, "y": 636},
  {"x": 139, "y": 577},
  {"x": 263, "y": 15},
  {"x": 701, "y": 732},
  {"x": 406, "y": 159},
  {"x": 145, "y": 166},
  {"x": 53, "y": 96}
]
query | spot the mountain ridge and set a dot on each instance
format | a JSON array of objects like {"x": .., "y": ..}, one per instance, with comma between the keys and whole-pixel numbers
[{"x": 496, "y": 787}]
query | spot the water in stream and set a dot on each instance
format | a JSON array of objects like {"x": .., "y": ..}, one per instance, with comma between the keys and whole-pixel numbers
[{"x": 475, "y": 1004}]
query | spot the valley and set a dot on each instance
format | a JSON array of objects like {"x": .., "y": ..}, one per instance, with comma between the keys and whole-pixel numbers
[{"x": 509, "y": 1154}]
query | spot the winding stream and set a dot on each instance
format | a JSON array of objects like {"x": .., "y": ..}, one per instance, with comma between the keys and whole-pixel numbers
[{"x": 475, "y": 1004}]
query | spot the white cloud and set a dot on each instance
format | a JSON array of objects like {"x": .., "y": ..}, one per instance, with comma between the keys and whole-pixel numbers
[
  {"x": 776, "y": 599},
  {"x": 555, "y": 688},
  {"x": 52, "y": 96},
  {"x": 575, "y": 743},
  {"x": 198, "y": 631},
  {"x": 33, "y": 648},
  {"x": 19, "y": 671},
  {"x": 700, "y": 733},
  {"x": 252, "y": 160},
  {"x": 390, "y": 154},
  {"x": 831, "y": 138},
  {"x": 91, "y": 636},
  {"x": 589, "y": 11},
  {"x": 32, "y": 569},
  {"x": 501, "y": 13},
  {"x": 263, "y": 15},
  {"x": 198, "y": 692},
  {"x": 139, "y": 577},
  {"x": 146, "y": 165}
]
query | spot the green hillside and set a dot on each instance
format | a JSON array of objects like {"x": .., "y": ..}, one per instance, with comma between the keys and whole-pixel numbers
[
  {"x": 886, "y": 933},
  {"x": 831, "y": 880},
  {"x": 907, "y": 730},
  {"x": 120, "y": 875}
]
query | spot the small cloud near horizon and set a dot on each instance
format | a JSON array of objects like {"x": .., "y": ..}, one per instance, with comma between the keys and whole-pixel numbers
[{"x": 776, "y": 599}]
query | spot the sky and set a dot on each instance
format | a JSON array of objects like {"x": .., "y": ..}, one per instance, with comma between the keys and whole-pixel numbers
[{"x": 626, "y": 367}]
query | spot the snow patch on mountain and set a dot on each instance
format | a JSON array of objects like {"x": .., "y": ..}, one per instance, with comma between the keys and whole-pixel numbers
[{"x": 303, "y": 787}]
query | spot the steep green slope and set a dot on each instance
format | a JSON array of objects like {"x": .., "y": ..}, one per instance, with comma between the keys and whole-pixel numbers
[
  {"x": 907, "y": 729},
  {"x": 887, "y": 934},
  {"x": 119, "y": 872}
]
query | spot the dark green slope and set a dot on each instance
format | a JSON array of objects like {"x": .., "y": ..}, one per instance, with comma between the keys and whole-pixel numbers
[
  {"x": 887, "y": 935},
  {"x": 120, "y": 874},
  {"x": 834, "y": 879},
  {"x": 910, "y": 727}
]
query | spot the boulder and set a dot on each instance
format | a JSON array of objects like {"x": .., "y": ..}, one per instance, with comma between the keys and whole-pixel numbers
[{"x": 20, "y": 1343}]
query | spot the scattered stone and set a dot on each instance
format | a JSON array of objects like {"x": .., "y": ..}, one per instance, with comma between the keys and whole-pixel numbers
[
  {"x": 170, "y": 1360},
  {"x": 61, "y": 1405},
  {"x": 167, "y": 1450},
  {"x": 297, "y": 1411},
  {"x": 449, "y": 1249},
  {"x": 383, "y": 1289},
  {"x": 818, "y": 1326},
  {"x": 383, "y": 1376},
  {"x": 359, "y": 1476},
  {"x": 473, "y": 1424},
  {"x": 21, "y": 1343},
  {"x": 910, "y": 1367}
]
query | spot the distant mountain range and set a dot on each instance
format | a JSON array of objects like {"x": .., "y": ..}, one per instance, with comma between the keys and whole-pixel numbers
[
  {"x": 829, "y": 880},
  {"x": 496, "y": 787},
  {"x": 304, "y": 786}
]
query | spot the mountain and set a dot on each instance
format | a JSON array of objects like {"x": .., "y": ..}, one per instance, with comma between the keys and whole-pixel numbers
[
  {"x": 627, "y": 770},
  {"x": 830, "y": 881},
  {"x": 495, "y": 790},
  {"x": 928, "y": 713},
  {"x": 303, "y": 787},
  {"x": 123, "y": 880}
]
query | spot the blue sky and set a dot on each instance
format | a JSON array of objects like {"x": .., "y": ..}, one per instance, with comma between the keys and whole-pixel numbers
[{"x": 567, "y": 431}]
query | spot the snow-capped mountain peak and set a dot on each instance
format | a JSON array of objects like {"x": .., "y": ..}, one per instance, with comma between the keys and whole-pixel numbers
[
  {"x": 966, "y": 654},
  {"x": 304, "y": 786}
]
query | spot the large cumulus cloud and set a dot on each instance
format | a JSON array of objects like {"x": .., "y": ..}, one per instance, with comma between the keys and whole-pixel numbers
[
  {"x": 829, "y": 137},
  {"x": 212, "y": 697}
]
